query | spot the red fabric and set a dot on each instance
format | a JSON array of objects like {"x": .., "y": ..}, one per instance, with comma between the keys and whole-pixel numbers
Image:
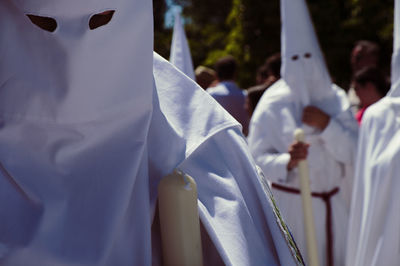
[
  {"x": 360, "y": 114},
  {"x": 326, "y": 197}
]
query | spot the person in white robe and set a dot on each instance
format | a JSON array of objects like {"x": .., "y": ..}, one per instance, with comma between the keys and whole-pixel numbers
[
  {"x": 374, "y": 230},
  {"x": 180, "y": 51},
  {"x": 306, "y": 98},
  {"x": 91, "y": 121}
]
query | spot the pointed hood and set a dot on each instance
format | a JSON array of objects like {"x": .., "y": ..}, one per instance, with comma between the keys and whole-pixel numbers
[
  {"x": 92, "y": 69},
  {"x": 303, "y": 65},
  {"x": 180, "y": 52},
  {"x": 395, "y": 77},
  {"x": 76, "y": 101}
]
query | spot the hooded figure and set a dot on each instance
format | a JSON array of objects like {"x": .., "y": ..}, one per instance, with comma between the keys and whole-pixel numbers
[
  {"x": 374, "y": 220},
  {"x": 180, "y": 52},
  {"x": 91, "y": 120},
  {"x": 306, "y": 98}
]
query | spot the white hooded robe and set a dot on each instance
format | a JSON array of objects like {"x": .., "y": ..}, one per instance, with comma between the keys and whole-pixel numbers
[
  {"x": 374, "y": 232},
  {"x": 306, "y": 81},
  {"x": 90, "y": 124}
]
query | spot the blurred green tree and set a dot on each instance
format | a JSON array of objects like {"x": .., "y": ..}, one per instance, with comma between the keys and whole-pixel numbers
[
  {"x": 162, "y": 35},
  {"x": 250, "y": 31},
  {"x": 206, "y": 28}
]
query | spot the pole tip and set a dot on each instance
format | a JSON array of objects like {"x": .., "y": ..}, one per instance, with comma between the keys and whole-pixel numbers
[{"x": 299, "y": 135}]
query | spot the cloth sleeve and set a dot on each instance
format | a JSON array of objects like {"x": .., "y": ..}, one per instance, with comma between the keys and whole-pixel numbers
[
  {"x": 233, "y": 206},
  {"x": 263, "y": 139},
  {"x": 340, "y": 137}
]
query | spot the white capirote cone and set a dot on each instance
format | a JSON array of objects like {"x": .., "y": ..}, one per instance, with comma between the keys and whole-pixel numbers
[
  {"x": 303, "y": 65},
  {"x": 180, "y": 52}
]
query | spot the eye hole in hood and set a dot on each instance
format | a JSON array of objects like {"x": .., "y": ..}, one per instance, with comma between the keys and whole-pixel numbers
[
  {"x": 45, "y": 23},
  {"x": 100, "y": 19}
]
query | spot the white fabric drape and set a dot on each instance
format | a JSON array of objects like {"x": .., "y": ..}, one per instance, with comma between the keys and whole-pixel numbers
[
  {"x": 306, "y": 81},
  {"x": 374, "y": 222},
  {"x": 89, "y": 125},
  {"x": 330, "y": 158}
]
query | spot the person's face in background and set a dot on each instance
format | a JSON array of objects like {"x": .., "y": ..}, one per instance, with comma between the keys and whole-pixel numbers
[
  {"x": 360, "y": 59},
  {"x": 367, "y": 93}
]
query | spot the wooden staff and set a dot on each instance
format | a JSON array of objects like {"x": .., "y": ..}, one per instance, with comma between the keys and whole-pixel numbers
[
  {"x": 306, "y": 197},
  {"x": 179, "y": 221}
]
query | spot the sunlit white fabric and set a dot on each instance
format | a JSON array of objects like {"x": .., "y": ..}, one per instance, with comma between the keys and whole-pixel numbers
[
  {"x": 180, "y": 52},
  {"x": 373, "y": 229},
  {"x": 57, "y": 74},
  {"x": 89, "y": 125},
  {"x": 330, "y": 160},
  {"x": 75, "y": 111},
  {"x": 202, "y": 139},
  {"x": 303, "y": 65},
  {"x": 374, "y": 221},
  {"x": 306, "y": 81}
]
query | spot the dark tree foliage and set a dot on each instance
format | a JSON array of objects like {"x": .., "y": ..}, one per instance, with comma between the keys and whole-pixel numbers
[
  {"x": 206, "y": 28},
  {"x": 334, "y": 36},
  {"x": 373, "y": 20},
  {"x": 339, "y": 24},
  {"x": 261, "y": 30},
  {"x": 162, "y": 36},
  {"x": 250, "y": 31}
]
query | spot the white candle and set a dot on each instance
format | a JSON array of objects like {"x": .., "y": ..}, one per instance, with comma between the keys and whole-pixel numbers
[
  {"x": 179, "y": 221},
  {"x": 306, "y": 197}
]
